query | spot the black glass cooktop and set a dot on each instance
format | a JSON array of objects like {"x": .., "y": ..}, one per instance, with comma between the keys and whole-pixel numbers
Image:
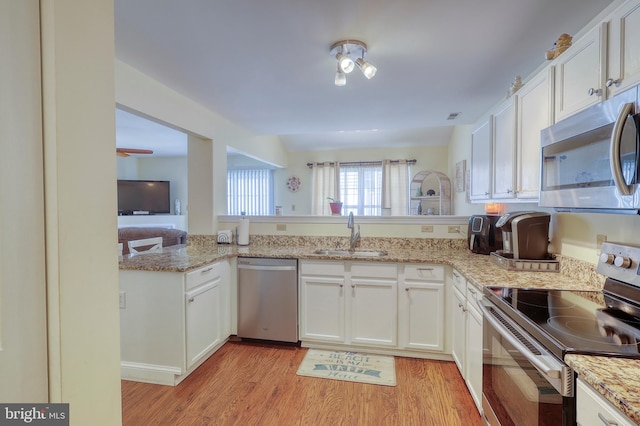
[{"x": 568, "y": 321}]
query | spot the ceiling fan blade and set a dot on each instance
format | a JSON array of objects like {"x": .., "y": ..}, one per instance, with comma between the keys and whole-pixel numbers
[{"x": 127, "y": 151}]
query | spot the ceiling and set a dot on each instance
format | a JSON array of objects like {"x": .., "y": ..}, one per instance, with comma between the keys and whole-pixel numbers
[{"x": 266, "y": 65}]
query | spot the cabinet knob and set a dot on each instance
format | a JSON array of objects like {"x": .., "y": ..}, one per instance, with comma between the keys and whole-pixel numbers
[
  {"x": 593, "y": 91},
  {"x": 486, "y": 193},
  {"x": 509, "y": 191},
  {"x": 191, "y": 300},
  {"x": 610, "y": 82}
]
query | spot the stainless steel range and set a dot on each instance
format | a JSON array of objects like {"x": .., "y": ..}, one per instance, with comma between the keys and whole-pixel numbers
[{"x": 528, "y": 331}]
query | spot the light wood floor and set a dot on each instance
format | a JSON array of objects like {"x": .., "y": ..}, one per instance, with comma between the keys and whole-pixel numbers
[{"x": 256, "y": 384}]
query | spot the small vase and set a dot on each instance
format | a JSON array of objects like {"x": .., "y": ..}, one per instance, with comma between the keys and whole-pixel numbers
[{"x": 336, "y": 209}]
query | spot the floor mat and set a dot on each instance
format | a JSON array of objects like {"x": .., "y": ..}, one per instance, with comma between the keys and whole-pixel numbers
[{"x": 349, "y": 366}]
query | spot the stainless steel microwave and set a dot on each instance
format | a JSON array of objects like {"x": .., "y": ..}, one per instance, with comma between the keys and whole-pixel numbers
[{"x": 589, "y": 161}]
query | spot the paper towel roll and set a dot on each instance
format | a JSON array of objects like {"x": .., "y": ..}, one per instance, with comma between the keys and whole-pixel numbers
[{"x": 243, "y": 231}]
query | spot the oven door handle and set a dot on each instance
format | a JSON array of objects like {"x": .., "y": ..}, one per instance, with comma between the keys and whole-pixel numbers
[
  {"x": 549, "y": 371},
  {"x": 614, "y": 149}
]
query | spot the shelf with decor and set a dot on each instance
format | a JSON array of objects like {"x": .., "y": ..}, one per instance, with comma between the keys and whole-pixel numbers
[{"x": 430, "y": 193}]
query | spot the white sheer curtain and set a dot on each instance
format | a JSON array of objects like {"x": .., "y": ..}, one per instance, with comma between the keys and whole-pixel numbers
[
  {"x": 395, "y": 188},
  {"x": 325, "y": 184}
]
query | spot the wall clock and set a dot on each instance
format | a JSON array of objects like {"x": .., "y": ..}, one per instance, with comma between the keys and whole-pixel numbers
[{"x": 293, "y": 183}]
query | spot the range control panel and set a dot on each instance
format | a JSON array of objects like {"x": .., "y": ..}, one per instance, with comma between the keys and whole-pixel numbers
[{"x": 620, "y": 262}]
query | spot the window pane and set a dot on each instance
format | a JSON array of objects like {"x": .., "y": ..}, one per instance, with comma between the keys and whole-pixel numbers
[
  {"x": 361, "y": 190},
  {"x": 250, "y": 191}
]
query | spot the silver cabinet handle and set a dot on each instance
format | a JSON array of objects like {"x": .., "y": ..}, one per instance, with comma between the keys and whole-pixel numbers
[
  {"x": 191, "y": 299},
  {"x": 614, "y": 149},
  {"x": 204, "y": 271},
  {"x": 605, "y": 421},
  {"x": 593, "y": 91},
  {"x": 610, "y": 82},
  {"x": 472, "y": 291},
  {"x": 425, "y": 269},
  {"x": 455, "y": 274}
]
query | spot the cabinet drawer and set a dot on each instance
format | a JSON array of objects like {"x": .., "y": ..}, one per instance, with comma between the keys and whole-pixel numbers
[
  {"x": 424, "y": 272},
  {"x": 322, "y": 268},
  {"x": 592, "y": 408},
  {"x": 473, "y": 293},
  {"x": 202, "y": 275},
  {"x": 459, "y": 282},
  {"x": 374, "y": 270}
]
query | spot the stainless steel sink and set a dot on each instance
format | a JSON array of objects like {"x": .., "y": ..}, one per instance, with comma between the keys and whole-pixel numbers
[{"x": 355, "y": 253}]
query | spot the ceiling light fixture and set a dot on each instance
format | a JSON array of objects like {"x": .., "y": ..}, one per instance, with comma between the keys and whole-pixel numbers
[{"x": 348, "y": 53}]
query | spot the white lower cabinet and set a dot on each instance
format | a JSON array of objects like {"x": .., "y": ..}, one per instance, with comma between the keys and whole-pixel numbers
[
  {"x": 422, "y": 308},
  {"x": 171, "y": 322},
  {"x": 374, "y": 304},
  {"x": 348, "y": 302},
  {"x": 473, "y": 355},
  {"x": 593, "y": 409},
  {"x": 466, "y": 334},
  {"x": 458, "y": 329},
  {"x": 373, "y": 310}
]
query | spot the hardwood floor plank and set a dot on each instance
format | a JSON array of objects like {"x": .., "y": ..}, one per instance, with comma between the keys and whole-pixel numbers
[{"x": 248, "y": 383}]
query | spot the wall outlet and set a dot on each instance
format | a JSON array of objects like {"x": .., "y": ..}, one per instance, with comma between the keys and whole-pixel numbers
[
  {"x": 599, "y": 240},
  {"x": 281, "y": 226},
  {"x": 426, "y": 228},
  {"x": 453, "y": 229},
  {"x": 123, "y": 300}
]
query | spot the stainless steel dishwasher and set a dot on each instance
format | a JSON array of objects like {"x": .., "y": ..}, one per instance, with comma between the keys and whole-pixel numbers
[{"x": 268, "y": 299}]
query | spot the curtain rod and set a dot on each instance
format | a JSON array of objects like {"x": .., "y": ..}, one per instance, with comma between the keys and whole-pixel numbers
[{"x": 359, "y": 163}]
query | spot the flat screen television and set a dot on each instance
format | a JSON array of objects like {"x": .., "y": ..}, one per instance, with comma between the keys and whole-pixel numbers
[{"x": 143, "y": 197}]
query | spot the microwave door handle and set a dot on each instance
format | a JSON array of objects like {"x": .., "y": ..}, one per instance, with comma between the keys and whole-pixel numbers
[
  {"x": 614, "y": 154},
  {"x": 472, "y": 241}
]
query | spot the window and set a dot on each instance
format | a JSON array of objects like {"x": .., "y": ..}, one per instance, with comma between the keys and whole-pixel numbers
[
  {"x": 361, "y": 189},
  {"x": 250, "y": 191}
]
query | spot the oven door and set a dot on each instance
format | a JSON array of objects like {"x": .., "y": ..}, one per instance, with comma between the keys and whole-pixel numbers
[
  {"x": 522, "y": 383},
  {"x": 590, "y": 160}
]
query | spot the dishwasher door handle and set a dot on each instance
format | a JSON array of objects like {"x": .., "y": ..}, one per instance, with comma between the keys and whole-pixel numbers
[{"x": 268, "y": 267}]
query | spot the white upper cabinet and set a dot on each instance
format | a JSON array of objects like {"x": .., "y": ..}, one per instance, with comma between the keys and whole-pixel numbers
[
  {"x": 624, "y": 55},
  {"x": 481, "y": 161},
  {"x": 579, "y": 73},
  {"x": 504, "y": 149},
  {"x": 534, "y": 113}
]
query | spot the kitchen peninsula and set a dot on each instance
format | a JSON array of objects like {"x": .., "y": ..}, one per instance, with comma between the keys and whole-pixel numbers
[{"x": 478, "y": 270}]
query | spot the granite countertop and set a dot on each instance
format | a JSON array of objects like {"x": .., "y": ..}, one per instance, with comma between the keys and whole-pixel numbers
[
  {"x": 617, "y": 379},
  {"x": 605, "y": 374},
  {"x": 477, "y": 268}
]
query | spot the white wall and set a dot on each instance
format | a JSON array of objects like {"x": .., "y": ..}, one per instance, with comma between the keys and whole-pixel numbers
[
  {"x": 299, "y": 203},
  {"x": 80, "y": 198}
]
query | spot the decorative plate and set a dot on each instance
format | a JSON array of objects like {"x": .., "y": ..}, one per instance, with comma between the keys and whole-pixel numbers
[{"x": 293, "y": 183}]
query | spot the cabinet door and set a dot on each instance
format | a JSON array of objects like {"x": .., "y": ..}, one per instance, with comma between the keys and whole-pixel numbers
[
  {"x": 504, "y": 149},
  {"x": 322, "y": 308},
  {"x": 422, "y": 315},
  {"x": 481, "y": 162},
  {"x": 203, "y": 320},
  {"x": 458, "y": 329},
  {"x": 624, "y": 55},
  {"x": 473, "y": 356},
  {"x": 373, "y": 311},
  {"x": 534, "y": 114},
  {"x": 580, "y": 73}
]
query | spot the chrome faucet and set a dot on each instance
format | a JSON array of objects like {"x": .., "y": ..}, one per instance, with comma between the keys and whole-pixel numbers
[{"x": 353, "y": 240}]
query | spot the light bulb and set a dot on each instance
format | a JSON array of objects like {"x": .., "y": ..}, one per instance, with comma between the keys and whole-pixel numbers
[
  {"x": 367, "y": 69},
  {"x": 345, "y": 63},
  {"x": 341, "y": 78}
]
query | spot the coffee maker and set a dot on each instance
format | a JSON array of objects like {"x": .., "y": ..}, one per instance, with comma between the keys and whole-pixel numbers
[
  {"x": 482, "y": 236},
  {"x": 525, "y": 235}
]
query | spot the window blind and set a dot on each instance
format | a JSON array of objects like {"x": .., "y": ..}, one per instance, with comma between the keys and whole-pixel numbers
[{"x": 250, "y": 191}]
